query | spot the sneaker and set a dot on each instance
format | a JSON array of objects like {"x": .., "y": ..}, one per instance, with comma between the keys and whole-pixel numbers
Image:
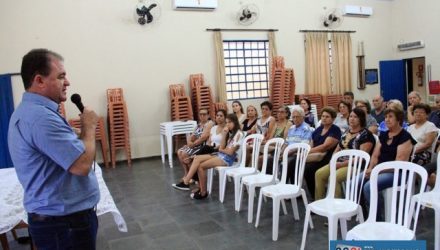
[
  {"x": 181, "y": 186},
  {"x": 198, "y": 196}
]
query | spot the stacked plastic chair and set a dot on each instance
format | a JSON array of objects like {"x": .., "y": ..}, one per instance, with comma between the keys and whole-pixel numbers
[
  {"x": 220, "y": 105},
  {"x": 282, "y": 90},
  {"x": 118, "y": 124},
  {"x": 99, "y": 136},
  {"x": 194, "y": 81},
  {"x": 201, "y": 95},
  {"x": 181, "y": 108},
  {"x": 332, "y": 100}
]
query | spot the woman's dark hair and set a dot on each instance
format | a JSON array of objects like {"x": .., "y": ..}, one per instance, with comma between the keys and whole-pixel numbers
[
  {"x": 397, "y": 112},
  {"x": 287, "y": 109},
  {"x": 309, "y": 103},
  {"x": 366, "y": 103},
  {"x": 267, "y": 104},
  {"x": 422, "y": 106},
  {"x": 239, "y": 104},
  {"x": 329, "y": 110},
  {"x": 346, "y": 105},
  {"x": 36, "y": 61},
  {"x": 233, "y": 118},
  {"x": 361, "y": 115},
  {"x": 223, "y": 112}
]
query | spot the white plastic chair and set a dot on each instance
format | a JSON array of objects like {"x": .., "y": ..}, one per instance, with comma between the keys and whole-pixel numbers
[
  {"x": 399, "y": 226},
  {"x": 339, "y": 209},
  {"x": 281, "y": 191},
  {"x": 210, "y": 172},
  {"x": 236, "y": 170},
  {"x": 432, "y": 200},
  {"x": 261, "y": 179}
]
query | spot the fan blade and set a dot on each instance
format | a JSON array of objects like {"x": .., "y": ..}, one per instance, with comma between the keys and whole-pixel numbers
[
  {"x": 325, "y": 24},
  {"x": 152, "y": 6},
  {"x": 149, "y": 17},
  {"x": 242, "y": 18}
]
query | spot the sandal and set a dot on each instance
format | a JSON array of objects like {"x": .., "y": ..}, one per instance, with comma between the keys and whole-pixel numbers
[{"x": 198, "y": 195}]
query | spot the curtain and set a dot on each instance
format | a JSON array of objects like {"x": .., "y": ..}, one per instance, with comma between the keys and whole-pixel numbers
[
  {"x": 317, "y": 63},
  {"x": 341, "y": 54},
  {"x": 6, "y": 109},
  {"x": 272, "y": 53},
  {"x": 221, "y": 82}
]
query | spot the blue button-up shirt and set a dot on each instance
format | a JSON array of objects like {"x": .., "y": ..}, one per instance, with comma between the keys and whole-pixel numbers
[
  {"x": 43, "y": 147},
  {"x": 302, "y": 133}
]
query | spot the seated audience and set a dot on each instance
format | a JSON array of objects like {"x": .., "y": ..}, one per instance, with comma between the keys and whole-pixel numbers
[
  {"x": 349, "y": 98},
  {"x": 434, "y": 117},
  {"x": 324, "y": 141},
  {"x": 379, "y": 108},
  {"x": 226, "y": 156},
  {"x": 266, "y": 122},
  {"x": 396, "y": 144},
  {"x": 342, "y": 117},
  {"x": 251, "y": 120},
  {"x": 215, "y": 136},
  {"x": 393, "y": 103},
  {"x": 237, "y": 108},
  {"x": 194, "y": 143},
  {"x": 414, "y": 98},
  {"x": 424, "y": 132},
  {"x": 308, "y": 115},
  {"x": 356, "y": 137},
  {"x": 371, "y": 122}
]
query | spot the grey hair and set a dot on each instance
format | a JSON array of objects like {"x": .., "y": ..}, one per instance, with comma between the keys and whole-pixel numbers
[
  {"x": 416, "y": 93},
  {"x": 298, "y": 109},
  {"x": 396, "y": 102}
]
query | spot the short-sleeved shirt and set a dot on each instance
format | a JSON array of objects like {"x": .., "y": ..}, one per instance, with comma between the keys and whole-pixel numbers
[
  {"x": 341, "y": 122},
  {"x": 262, "y": 128},
  {"x": 354, "y": 141},
  {"x": 43, "y": 147},
  {"x": 379, "y": 117},
  {"x": 419, "y": 134},
  {"x": 302, "y": 133},
  {"x": 319, "y": 139},
  {"x": 389, "y": 152}
]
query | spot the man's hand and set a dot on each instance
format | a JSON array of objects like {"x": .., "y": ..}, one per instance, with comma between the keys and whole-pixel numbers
[{"x": 89, "y": 119}]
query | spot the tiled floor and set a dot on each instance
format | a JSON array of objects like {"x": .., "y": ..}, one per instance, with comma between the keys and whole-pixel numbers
[{"x": 160, "y": 217}]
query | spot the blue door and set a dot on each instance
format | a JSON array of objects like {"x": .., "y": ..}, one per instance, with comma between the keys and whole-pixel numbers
[{"x": 393, "y": 80}]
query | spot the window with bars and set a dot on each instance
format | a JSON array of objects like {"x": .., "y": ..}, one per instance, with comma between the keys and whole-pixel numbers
[{"x": 246, "y": 69}]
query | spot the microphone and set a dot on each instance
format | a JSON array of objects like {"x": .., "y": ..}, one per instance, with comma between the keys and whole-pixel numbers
[{"x": 76, "y": 99}]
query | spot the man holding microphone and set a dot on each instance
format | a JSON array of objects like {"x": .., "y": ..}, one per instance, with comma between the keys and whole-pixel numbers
[{"x": 53, "y": 164}]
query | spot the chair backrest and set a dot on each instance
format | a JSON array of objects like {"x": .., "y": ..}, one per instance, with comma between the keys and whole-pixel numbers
[
  {"x": 314, "y": 111},
  {"x": 276, "y": 144},
  {"x": 357, "y": 161},
  {"x": 302, "y": 151},
  {"x": 255, "y": 141},
  {"x": 437, "y": 178},
  {"x": 434, "y": 146},
  {"x": 402, "y": 191}
]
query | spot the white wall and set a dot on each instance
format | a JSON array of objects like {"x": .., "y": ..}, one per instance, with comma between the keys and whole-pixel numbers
[
  {"x": 104, "y": 47},
  {"x": 413, "y": 21}
]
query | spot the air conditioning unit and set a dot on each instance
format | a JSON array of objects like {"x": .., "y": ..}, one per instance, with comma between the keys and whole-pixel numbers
[
  {"x": 411, "y": 45},
  {"x": 359, "y": 11},
  {"x": 195, "y": 4}
]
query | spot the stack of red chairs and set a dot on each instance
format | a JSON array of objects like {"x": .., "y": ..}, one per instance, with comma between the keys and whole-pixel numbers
[
  {"x": 220, "y": 105},
  {"x": 332, "y": 100},
  {"x": 282, "y": 91},
  {"x": 201, "y": 95},
  {"x": 181, "y": 108},
  {"x": 118, "y": 124}
]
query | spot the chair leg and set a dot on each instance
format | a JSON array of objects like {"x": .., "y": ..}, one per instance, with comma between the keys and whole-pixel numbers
[
  {"x": 295, "y": 208},
  {"x": 236, "y": 192},
  {"x": 360, "y": 215},
  {"x": 304, "y": 197},
  {"x": 275, "y": 218},
  {"x": 210, "y": 178},
  {"x": 306, "y": 227},
  {"x": 260, "y": 201},
  {"x": 222, "y": 184},
  {"x": 332, "y": 228},
  {"x": 251, "y": 190},
  {"x": 283, "y": 205},
  {"x": 437, "y": 229},
  {"x": 240, "y": 199},
  {"x": 4, "y": 241},
  {"x": 343, "y": 223}
]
